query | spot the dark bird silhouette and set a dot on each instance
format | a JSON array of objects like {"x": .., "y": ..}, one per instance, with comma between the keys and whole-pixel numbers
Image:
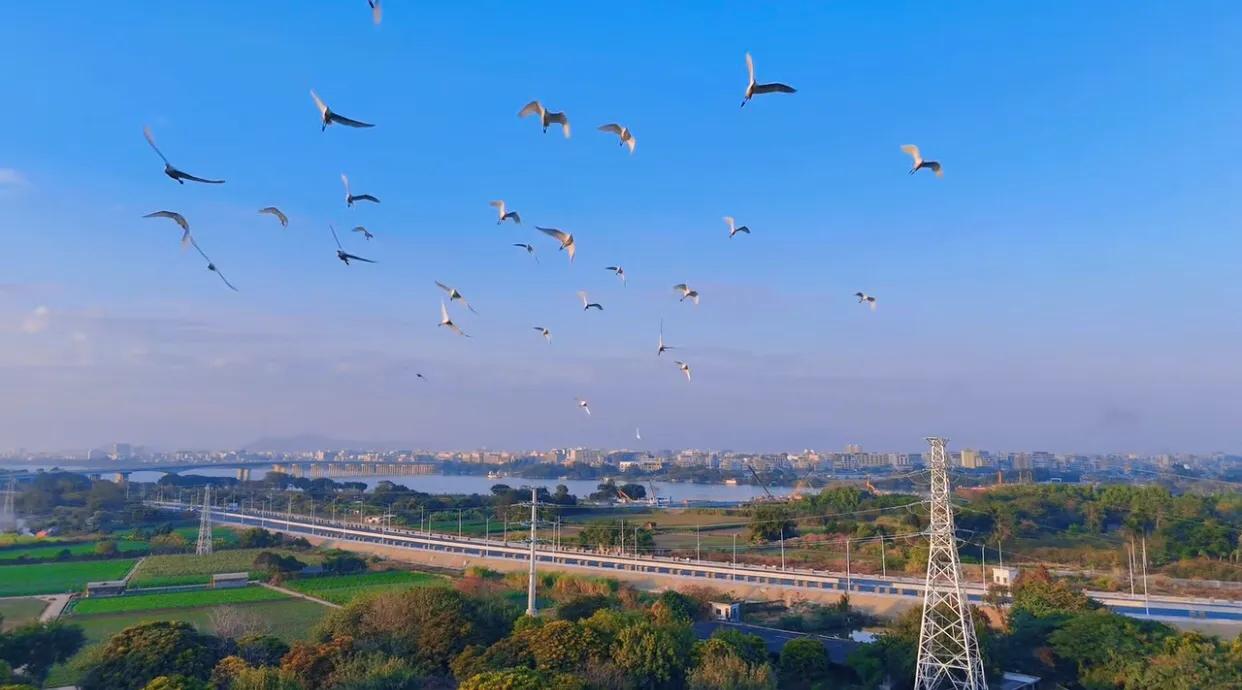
[
  {"x": 754, "y": 89},
  {"x": 502, "y": 215},
  {"x": 211, "y": 266},
  {"x": 366, "y": 234},
  {"x": 530, "y": 249},
  {"x": 660, "y": 343},
  {"x": 273, "y": 211},
  {"x": 327, "y": 117},
  {"x": 169, "y": 170},
  {"x": 351, "y": 198},
  {"x": 619, "y": 271},
  {"x": 455, "y": 295},
  {"x": 735, "y": 229},
  {"x": 623, "y": 133},
  {"x": 865, "y": 299},
  {"x": 546, "y": 117},
  {"x": 342, "y": 254}
]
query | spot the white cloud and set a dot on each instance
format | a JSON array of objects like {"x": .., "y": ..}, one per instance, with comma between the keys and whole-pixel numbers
[
  {"x": 37, "y": 320},
  {"x": 11, "y": 178}
]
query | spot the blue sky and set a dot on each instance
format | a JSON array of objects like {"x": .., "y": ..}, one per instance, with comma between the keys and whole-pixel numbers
[{"x": 1071, "y": 283}]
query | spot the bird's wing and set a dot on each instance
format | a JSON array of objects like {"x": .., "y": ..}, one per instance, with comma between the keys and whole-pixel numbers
[
  {"x": 729, "y": 221},
  {"x": 176, "y": 217},
  {"x": 530, "y": 109},
  {"x": 680, "y": 287},
  {"x": 570, "y": 249},
  {"x": 612, "y": 127},
  {"x": 194, "y": 243},
  {"x": 744, "y": 229},
  {"x": 499, "y": 205},
  {"x": 226, "y": 280},
  {"x": 558, "y": 234},
  {"x": 516, "y": 218},
  {"x": 323, "y": 109},
  {"x": 345, "y": 181},
  {"x": 775, "y": 87},
  {"x": 935, "y": 166},
  {"x": 377, "y": 11},
  {"x": 359, "y": 258},
  {"x": 538, "y": 328},
  {"x": 338, "y": 240},
  {"x": 631, "y": 143},
  {"x": 750, "y": 67},
  {"x": 913, "y": 151},
  {"x": 349, "y": 122},
  {"x": 562, "y": 120},
  {"x": 444, "y": 317},
  {"x": 444, "y": 287},
  {"x": 146, "y": 132},
  {"x": 192, "y": 178},
  {"x": 366, "y": 197},
  {"x": 614, "y": 269},
  {"x": 582, "y": 295},
  {"x": 361, "y": 230}
]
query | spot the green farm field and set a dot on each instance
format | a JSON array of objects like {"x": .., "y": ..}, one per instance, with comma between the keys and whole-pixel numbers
[
  {"x": 341, "y": 589},
  {"x": 55, "y": 578},
  {"x": 175, "y": 600},
  {"x": 20, "y": 611},
  {"x": 189, "y": 569},
  {"x": 47, "y": 552}
]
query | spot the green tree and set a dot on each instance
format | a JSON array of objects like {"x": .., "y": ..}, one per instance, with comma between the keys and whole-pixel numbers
[
  {"x": 138, "y": 654},
  {"x": 37, "y": 647},
  {"x": 314, "y": 665},
  {"x": 377, "y": 672},
  {"x": 771, "y": 522},
  {"x": 106, "y": 548},
  {"x": 653, "y": 656},
  {"x": 262, "y": 650},
  {"x": 582, "y": 607},
  {"x": 521, "y": 679},
  {"x": 749, "y": 648},
  {"x": 176, "y": 683},
  {"x": 729, "y": 672},
  {"x": 803, "y": 663},
  {"x": 673, "y": 605},
  {"x": 1040, "y": 594},
  {"x": 265, "y": 678},
  {"x": 564, "y": 646},
  {"x": 1187, "y": 662}
]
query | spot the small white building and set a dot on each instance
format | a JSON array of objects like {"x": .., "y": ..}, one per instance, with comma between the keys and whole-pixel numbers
[
  {"x": 1004, "y": 576},
  {"x": 726, "y": 611},
  {"x": 105, "y": 588},
  {"x": 229, "y": 580}
]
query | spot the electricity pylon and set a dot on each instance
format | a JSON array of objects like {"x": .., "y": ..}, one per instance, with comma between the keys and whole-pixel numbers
[
  {"x": 948, "y": 650},
  {"x": 8, "y": 517},
  {"x": 204, "y": 525}
]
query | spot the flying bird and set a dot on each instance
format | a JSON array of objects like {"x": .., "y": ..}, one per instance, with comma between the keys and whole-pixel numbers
[
  {"x": 340, "y": 251},
  {"x": 753, "y": 88},
  {"x": 421, "y": 376},
  {"x": 351, "y": 198},
  {"x": 638, "y": 434},
  {"x": 546, "y": 117},
  {"x": 919, "y": 163},
  {"x": 547, "y": 335},
  {"x": 687, "y": 293},
  {"x": 623, "y": 133},
  {"x": 179, "y": 220},
  {"x": 455, "y": 295},
  {"x": 865, "y": 299},
  {"x": 586, "y": 303},
  {"x": 366, "y": 234},
  {"x": 327, "y": 117},
  {"x": 566, "y": 240},
  {"x": 169, "y": 170},
  {"x": 660, "y": 344},
  {"x": 530, "y": 249},
  {"x": 212, "y": 267},
  {"x": 583, "y": 404},
  {"x": 502, "y": 214},
  {"x": 619, "y": 271},
  {"x": 280, "y": 216},
  {"x": 447, "y": 322},
  {"x": 377, "y": 16},
  {"x": 735, "y": 229},
  {"x": 685, "y": 369}
]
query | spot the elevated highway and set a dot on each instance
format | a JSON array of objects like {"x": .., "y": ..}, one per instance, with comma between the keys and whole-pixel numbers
[{"x": 689, "y": 571}]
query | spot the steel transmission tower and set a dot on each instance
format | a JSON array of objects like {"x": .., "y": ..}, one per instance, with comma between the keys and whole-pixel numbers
[
  {"x": 204, "y": 525},
  {"x": 948, "y": 650},
  {"x": 8, "y": 517}
]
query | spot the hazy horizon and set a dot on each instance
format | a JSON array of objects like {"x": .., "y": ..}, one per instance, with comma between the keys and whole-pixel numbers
[{"x": 1065, "y": 287}]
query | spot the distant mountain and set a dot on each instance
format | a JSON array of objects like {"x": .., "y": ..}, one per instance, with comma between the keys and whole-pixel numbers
[{"x": 308, "y": 442}]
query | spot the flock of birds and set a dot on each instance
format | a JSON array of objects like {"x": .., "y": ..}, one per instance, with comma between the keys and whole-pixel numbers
[{"x": 565, "y": 240}]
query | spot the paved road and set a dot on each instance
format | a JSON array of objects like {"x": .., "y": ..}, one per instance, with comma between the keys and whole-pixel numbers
[{"x": 299, "y": 595}]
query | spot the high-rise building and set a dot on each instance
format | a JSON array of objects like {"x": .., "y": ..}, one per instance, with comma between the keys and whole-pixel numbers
[
  {"x": 122, "y": 451},
  {"x": 853, "y": 448},
  {"x": 973, "y": 459}
]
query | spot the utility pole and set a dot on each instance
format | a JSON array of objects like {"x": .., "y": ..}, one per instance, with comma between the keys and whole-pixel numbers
[
  {"x": 1146, "y": 601},
  {"x": 1130, "y": 562},
  {"x": 530, "y": 585},
  {"x": 883, "y": 558},
  {"x": 698, "y": 545},
  {"x": 782, "y": 548},
  {"x": 983, "y": 567},
  {"x": 487, "y": 527},
  {"x": 848, "y": 580},
  {"x": 948, "y": 650},
  {"x": 735, "y": 556},
  {"x": 459, "y": 523}
]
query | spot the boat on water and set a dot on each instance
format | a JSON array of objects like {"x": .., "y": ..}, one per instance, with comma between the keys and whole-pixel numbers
[
  {"x": 730, "y": 482},
  {"x": 495, "y": 475}
]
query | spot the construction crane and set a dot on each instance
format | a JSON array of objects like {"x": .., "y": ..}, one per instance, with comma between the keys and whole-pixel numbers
[{"x": 761, "y": 482}]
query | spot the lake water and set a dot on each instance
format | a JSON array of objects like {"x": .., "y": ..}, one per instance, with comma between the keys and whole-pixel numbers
[{"x": 676, "y": 492}]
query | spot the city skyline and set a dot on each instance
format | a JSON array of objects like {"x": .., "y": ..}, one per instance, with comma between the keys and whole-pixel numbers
[{"x": 1065, "y": 285}]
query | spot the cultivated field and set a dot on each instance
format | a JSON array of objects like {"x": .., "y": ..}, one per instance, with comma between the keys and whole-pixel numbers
[
  {"x": 54, "y": 578},
  {"x": 341, "y": 589},
  {"x": 189, "y": 569},
  {"x": 19, "y": 611},
  {"x": 175, "y": 600},
  {"x": 44, "y": 552}
]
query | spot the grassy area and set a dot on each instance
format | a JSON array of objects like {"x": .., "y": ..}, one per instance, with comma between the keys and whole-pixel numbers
[
  {"x": 54, "y": 578},
  {"x": 47, "y": 552},
  {"x": 175, "y": 600},
  {"x": 19, "y": 611},
  {"x": 341, "y": 589},
  {"x": 220, "y": 535},
  {"x": 290, "y": 619},
  {"x": 188, "y": 569}
]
